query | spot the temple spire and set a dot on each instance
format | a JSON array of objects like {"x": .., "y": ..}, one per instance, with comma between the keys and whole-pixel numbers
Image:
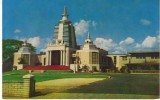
[
  {"x": 65, "y": 15},
  {"x": 88, "y": 37},
  {"x": 88, "y": 40}
]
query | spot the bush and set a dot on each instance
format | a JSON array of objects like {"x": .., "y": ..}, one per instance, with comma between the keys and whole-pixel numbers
[
  {"x": 125, "y": 69},
  {"x": 143, "y": 66},
  {"x": 144, "y": 71}
]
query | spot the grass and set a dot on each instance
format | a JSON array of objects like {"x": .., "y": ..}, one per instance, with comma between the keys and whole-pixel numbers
[
  {"x": 121, "y": 86},
  {"x": 49, "y": 75},
  {"x": 94, "y": 96},
  {"x": 14, "y": 75},
  {"x": 147, "y": 84}
]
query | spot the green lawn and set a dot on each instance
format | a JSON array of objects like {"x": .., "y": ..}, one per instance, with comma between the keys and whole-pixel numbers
[
  {"x": 49, "y": 75},
  {"x": 129, "y": 86}
]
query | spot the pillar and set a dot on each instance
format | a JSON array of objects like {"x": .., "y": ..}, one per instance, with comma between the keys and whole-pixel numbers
[
  {"x": 67, "y": 57},
  {"x": 50, "y": 57},
  {"x": 61, "y": 59},
  {"x": 64, "y": 56},
  {"x": 28, "y": 86},
  {"x": 30, "y": 59},
  {"x": 47, "y": 58}
]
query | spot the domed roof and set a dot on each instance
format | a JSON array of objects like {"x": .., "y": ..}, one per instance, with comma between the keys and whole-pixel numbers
[
  {"x": 89, "y": 44},
  {"x": 25, "y": 48},
  {"x": 89, "y": 47}
]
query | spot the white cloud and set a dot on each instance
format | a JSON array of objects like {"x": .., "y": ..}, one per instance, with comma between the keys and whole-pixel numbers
[
  {"x": 158, "y": 38},
  {"x": 39, "y": 43},
  {"x": 116, "y": 52},
  {"x": 129, "y": 44},
  {"x": 35, "y": 41},
  {"x": 94, "y": 24},
  {"x": 138, "y": 45},
  {"x": 149, "y": 42},
  {"x": 106, "y": 44},
  {"x": 17, "y": 31},
  {"x": 145, "y": 22},
  {"x": 127, "y": 41},
  {"x": 109, "y": 45},
  {"x": 120, "y": 49},
  {"x": 83, "y": 26}
]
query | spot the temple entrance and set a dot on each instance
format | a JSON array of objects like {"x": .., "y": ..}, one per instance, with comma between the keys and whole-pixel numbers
[{"x": 55, "y": 57}]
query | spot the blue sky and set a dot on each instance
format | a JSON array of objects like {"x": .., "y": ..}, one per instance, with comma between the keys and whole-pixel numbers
[{"x": 118, "y": 26}]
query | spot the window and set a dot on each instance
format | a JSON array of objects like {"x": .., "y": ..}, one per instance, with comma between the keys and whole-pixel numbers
[
  {"x": 155, "y": 57},
  {"x": 115, "y": 59},
  {"x": 66, "y": 26},
  {"x": 65, "y": 34},
  {"x": 124, "y": 58},
  {"x": 94, "y": 58},
  {"x": 65, "y": 29},
  {"x": 140, "y": 57},
  {"x": 25, "y": 57}
]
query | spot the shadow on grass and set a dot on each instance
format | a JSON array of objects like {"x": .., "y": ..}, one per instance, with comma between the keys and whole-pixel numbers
[
  {"x": 122, "y": 84},
  {"x": 40, "y": 93}
]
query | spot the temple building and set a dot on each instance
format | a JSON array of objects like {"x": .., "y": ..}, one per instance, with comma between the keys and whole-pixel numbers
[
  {"x": 63, "y": 50},
  {"x": 90, "y": 56},
  {"x": 63, "y": 45},
  {"x": 24, "y": 56}
]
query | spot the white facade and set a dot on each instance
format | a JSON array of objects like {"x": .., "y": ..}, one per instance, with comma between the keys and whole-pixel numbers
[
  {"x": 24, "y": 56},
  {"x": 60, "y": 50},
  {"x": 88, "y": 57}
]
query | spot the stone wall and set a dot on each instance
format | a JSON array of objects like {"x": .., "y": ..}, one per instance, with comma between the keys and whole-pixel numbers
[
  {"x": 12, "y": 88},
  {"x": 25, "y": 88}
]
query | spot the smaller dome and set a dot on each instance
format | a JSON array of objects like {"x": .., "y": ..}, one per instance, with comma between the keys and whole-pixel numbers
[
  {"x": 25, "y": 50},
  {"x": 89, "y": 44}
]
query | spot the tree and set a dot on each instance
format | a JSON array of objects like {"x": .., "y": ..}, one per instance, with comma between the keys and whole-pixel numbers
[
  {"x": 10, "y": 46},
  {"x": 42, "y": 53}
]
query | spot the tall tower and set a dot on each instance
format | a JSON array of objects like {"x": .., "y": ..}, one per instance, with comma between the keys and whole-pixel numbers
[
  {"x": 63, "y": 45},
  {"x": 64, "y": 32}
]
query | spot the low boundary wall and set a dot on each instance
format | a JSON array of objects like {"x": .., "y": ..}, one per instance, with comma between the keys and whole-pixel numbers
[{"x": 25, "y": 88}]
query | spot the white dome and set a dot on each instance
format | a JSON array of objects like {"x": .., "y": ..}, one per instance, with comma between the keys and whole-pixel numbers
[{"x": 25, "y": 50}]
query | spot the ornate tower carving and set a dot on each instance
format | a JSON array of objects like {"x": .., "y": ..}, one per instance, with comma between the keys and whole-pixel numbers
[{"x": 64, "y": 32}]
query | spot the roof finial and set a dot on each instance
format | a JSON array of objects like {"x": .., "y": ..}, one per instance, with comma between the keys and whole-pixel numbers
[
  {"x": 88, "y": 37},
  {"x": 88, "y": 40},
  {"x": 64, "y": 15},
  {"x": 25, "y": 43}
]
